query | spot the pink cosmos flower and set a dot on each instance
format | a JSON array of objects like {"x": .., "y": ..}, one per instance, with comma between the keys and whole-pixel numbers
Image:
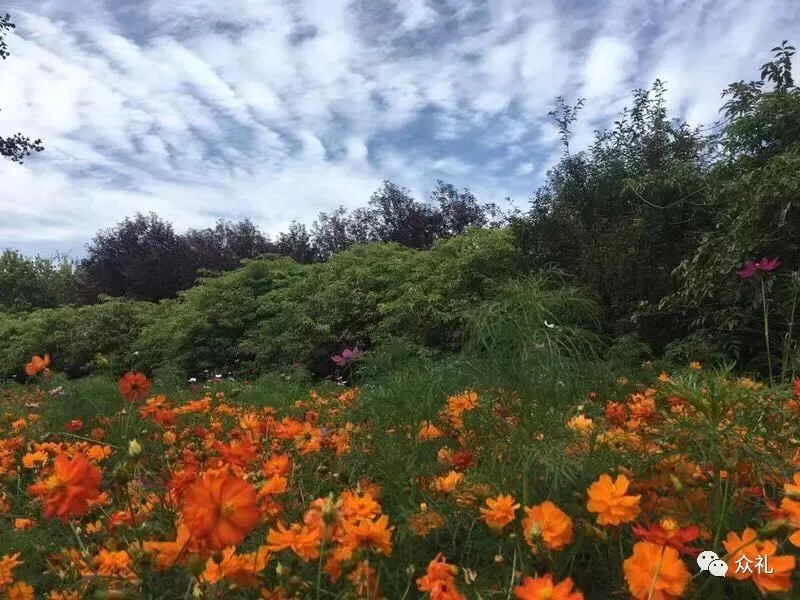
[
  {"x": 751, "y": 268},
  {"x": 346, "y": 356}
]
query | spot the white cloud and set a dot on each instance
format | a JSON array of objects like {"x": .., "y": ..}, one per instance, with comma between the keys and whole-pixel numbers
[
  {"x": 607, "y": 67},
  {"x": 525, "y": 169},
  {"x": 279, "y": 109}
]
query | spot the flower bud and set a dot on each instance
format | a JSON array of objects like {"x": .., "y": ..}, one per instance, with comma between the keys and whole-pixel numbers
[
  {"x": 134, "y": 448},
  {"x": 771, "y": 528}
]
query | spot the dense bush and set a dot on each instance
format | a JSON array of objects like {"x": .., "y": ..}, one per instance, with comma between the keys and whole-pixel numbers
[
  {"x": 207, "y": 326},
  {"x": 30, "y": 283},
  {"x": 74, "y": 337},
  {"x": 274, "y": 311}
]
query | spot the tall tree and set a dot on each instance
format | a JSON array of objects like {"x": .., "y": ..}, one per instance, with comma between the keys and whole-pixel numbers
[
  {"x": 140, "y": 258},
  {"x": 397, "y": 217},
  {"x": 622, "y": 214},
  {"x": 224, "y": 246},
  {"x": 17, "y": 147},
  {"x": 332, "y": 232},
  {"x": 460, "y": 210},
  {"x": 755, "y": 212},
  {"x": 296, "y": 244}
]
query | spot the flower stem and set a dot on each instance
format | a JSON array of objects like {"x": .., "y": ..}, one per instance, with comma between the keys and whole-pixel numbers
[
  {"x": 787, "y": 341},
  {"x": 766, "y": 328},
  {"x": 319, "y": 566},
  {"x": 513, "y": 568},
  {"x": 655, "y": 575}
]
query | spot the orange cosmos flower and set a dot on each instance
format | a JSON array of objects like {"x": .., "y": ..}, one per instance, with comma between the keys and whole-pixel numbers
[
  {"x": 21, "y": 524},
  {"x": 309, "y": 440},
  {"x": 428, "y": 431},
  {"x": 304, "y": 541},
  {"x": 239, "y": 453},
  {"x": 279, "y": 464},
  {"x": 68, "y": 491},
  {"x": 748, "y": 552},
  {"x": 7, "y": 565},
  {"x": 34, "y": 459},
  {"x": 581, "y": 424},
  {"x": 20, "y": 591},
  {"x": 354, "y": 505},
  {"x": 220, "y": 509},
  {"x": 655, "y": 572},
  {"x": 134, "y": 386},
  {"x": 447, "y": 483},
  {"x": 543, "y": 588},
  {"x": 167, "y": 554},
  {"x": 376, "y": 535},
  {"x": 241, "y": 569},
  {"x": 499, "y": 512},
  {"x": 338, "y": 556},
  {"x": 364, "y": 580},
  {"x": 791, "y": 509},
  {"x": 37, "y": 365},
  {"x": 548, "y": 523},
  {"x": 274, "y": 486},
  {"x": 114, "y": 564},
  {"x": 466, "y": 400},
  {"x": 439, "y": 580},
  {"x": 608, "y": 499}
]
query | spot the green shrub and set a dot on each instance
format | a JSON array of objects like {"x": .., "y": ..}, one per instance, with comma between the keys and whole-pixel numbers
[
  {"x": 272, "y": 311},
  {"x": 74, "y": 336}
]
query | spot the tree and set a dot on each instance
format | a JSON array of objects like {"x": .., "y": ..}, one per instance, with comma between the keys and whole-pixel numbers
[
  {"x": 141, "y": 258},
  {"x": 622, "y": 214},
  {"x": 296, "y": 244},
  {"x": 332, "y": 232},
  {"x": 460, "y": 210},
  {"x": 226, "y": 245},
  {"x": 753, "y": 203},
  {"x": 17, "y": 147},
  {"x": 396, "y": 217},
  {"x": 30, "y": 283}
]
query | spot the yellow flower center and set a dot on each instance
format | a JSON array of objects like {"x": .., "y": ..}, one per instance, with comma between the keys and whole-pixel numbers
[
  {"x": 226, "y": 510},
  {"x": 669, "y": 525},
  {"x": 54, "y": 482}
]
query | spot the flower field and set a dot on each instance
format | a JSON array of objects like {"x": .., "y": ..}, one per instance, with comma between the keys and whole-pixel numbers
[{"x": 120, "y": 489}]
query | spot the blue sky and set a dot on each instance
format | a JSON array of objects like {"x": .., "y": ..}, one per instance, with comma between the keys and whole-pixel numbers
[{"x": 278, "y": 109}]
